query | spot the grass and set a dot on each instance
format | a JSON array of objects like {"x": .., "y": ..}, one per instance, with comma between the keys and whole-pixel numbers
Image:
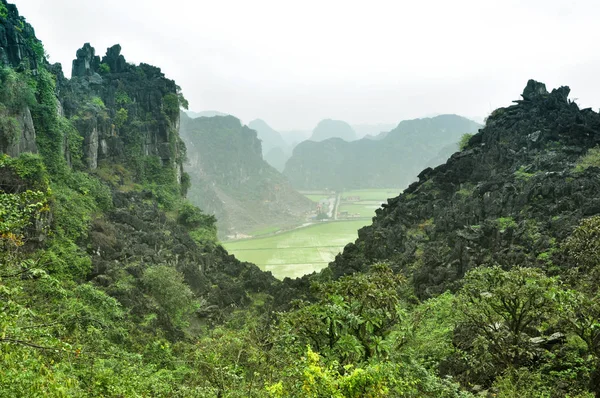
[
  {"x": 361, "y": 209},
  {"x": 298, "y": 252},
  {"x": 370, "y": 200},
  {"x": 265, "y": 231}
]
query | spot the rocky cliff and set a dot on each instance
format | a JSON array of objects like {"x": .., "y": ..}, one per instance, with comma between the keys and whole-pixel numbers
[
  {"x": 393, "y": 161},
  {"x": 19, "y": 48},
  {"x": 519, "y": 187},
  {"x": 101, "y": 155},
  {"x": 124, "y": 112},
  {"x": 231, "y": 180}
]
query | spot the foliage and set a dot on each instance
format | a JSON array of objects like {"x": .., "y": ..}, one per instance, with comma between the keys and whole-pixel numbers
[
  {"x": 505, "y": 223},
  {"x": 464, "y": 141},
  {"x": 3, "y": 10},
  {"x": 121, "y": 117},
  {"x": 353, "y": 316},
  {"x": 202, "y": 226},
  {"x": 590, "y": 159},
  {"x": 104, "y": 68},
  {"x": 172, "y": 296},
  {"x": 505, "y": 311},
  {"x": 15, "y": 90},
  {"x": 523, "y": 174}
]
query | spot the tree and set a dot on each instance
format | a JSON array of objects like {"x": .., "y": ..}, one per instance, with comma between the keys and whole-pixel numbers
[
  {"x": 167, "y": 287},
  {"x": 582, "y": 249},
  {"x": 507, "y": 315},
  {"x": 352, "y": 317}
]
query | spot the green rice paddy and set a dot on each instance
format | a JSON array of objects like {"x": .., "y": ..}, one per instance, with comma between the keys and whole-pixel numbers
[
  {"x": 305, "y": 250},
  {"x": 298, "y": 252},
  {"x": 363, "y": 203}
]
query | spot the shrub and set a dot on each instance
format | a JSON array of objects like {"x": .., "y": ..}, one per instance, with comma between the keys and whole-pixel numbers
[
  {"x": 167, "y": 287},
  {"x": 3, "y": 11},
  {"x": 464, "y": 141}
]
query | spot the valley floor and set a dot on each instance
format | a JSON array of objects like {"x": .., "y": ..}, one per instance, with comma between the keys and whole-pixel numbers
[{"x": 311, "y": 247}]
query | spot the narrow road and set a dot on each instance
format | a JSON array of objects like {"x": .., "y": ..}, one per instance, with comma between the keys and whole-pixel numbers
[{"x": 338, "y": 198}]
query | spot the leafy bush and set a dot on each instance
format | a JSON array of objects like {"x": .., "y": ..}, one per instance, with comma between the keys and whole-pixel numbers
[
  {"x": 167, "y": 287},
  {"x": 121, "y": 117},
  {"x": 3, "y": 10},
  {"x": 464, "y": 141},
  {"x": 505, "y": 223}
]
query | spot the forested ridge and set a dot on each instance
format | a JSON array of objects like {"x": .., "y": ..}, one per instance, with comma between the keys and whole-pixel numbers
[
  {"x": 481, "y": 279},
  {"x": 392, "y": 159},
  {"x": 230, "y": 179}
]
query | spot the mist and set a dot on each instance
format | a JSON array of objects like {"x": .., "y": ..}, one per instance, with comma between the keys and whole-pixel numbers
[{"x": 378, "y": 63}]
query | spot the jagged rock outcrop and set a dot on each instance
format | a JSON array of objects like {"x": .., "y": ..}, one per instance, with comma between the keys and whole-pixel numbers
[
  {"x": 87, "y": 62},
  {"x": 123, "y": 111},
  {"x": 136, "y": 229},
  {"x": 509, "y": 198},
  {"x": 393, "y": 161},
  {"x": 18, "y": 48},
  {"x": 231, "y": 180},
  {"x": 17, "y": 39},
  {"x": 275, "y": 150}
]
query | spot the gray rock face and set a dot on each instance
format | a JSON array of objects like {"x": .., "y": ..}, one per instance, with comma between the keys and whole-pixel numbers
[
  {"x": 25, "y": 141},
  {"x": 86, "y": 63},
  {"x": 534, "y": 90},
  {"x": 91, "y": 148},
  {"x": 121, "y": 110},
  {"x": 508, "y": 199},
  {"x": 115, "y": 60},
  {"x": 17, "y": 40}
]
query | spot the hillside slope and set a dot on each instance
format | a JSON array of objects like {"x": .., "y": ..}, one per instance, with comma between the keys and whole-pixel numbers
[
  {"x": 231, "y": 180},
  {"x": 520, "y": 186},
  {"x": 101, "y": 258},
  {"x": 393, "y": 161},
  {"x": 329, "y": 128}
]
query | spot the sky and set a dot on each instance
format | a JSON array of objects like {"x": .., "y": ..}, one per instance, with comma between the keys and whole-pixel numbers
[{"x": 294, "y": 63}]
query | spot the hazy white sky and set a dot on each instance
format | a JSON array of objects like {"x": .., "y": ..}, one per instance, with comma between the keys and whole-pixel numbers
[{"x": 293, "y": 63}]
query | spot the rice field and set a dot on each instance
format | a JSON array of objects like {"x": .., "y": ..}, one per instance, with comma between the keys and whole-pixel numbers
[
  {"x": 305, "y": 250},
  {"x": 298, "y": 252},
  {"x": 363, "y": 203}
]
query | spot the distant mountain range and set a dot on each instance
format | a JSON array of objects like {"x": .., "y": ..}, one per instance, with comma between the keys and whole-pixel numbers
[
  {"x": 194, "y": 115},
  {"x": 366, "y": 130},
  {"x": 329, "y": 128},
  {"x": 392, "y": 160},
  {"x": 231, "y": 180}
]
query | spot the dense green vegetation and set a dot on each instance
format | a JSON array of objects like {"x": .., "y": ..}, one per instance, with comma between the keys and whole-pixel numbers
[{"x": 482, "y": 279}]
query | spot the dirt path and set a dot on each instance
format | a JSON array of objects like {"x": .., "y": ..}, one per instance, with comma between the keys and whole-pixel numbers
[{"x": 338, "y": 198}]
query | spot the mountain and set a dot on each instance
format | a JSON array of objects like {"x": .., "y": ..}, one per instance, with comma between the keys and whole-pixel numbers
[
  {"x": 275, "y": 150},
  {"x": 101, "y": 258},
  {"x": 329, "y": 128},
  {"x": 520, "y": 186},
  {"x": 294, "y": 137},
  {"x": 393, "y": 161},
  {"x": 269, "y": 138},
  {"x": 363, "y": 130},
  {"x": 277, "y": 157},
  {"x": 195, "y": 115},
  {"x": 231, "y": 180}
]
